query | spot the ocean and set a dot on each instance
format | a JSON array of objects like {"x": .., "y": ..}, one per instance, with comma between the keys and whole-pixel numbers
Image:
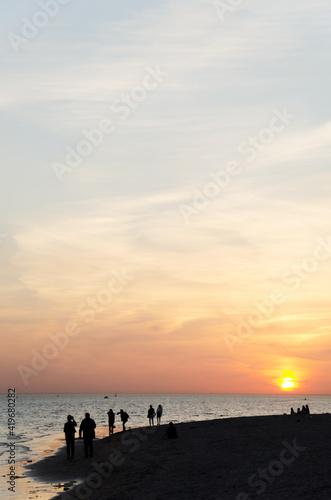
[{"x": 39, "y": 421}]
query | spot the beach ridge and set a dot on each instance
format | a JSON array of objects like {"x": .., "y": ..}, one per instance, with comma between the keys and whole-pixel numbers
[{"x": 233, "y": 458}]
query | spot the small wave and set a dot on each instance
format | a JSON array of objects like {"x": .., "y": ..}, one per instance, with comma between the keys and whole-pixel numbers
[{"x": 22, "y": 448}]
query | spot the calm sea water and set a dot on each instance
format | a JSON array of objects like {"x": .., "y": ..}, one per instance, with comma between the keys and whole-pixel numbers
[{"x": 40, "y": 418}]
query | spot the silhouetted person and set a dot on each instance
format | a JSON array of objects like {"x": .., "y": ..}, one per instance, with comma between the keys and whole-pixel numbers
[
  {"x": 303, "y": 410},
  {"x": 124, "y": 418},
  {"x": 87, "y": 428},
  {"x": 298, "y": 411},
  {"x": 111, "y": 421},
  {"x": 307, "y": 410},
  {"x": 171, "y": 432},
  {"x": 292, "y": 411},
  {"x": 151, "y": 415},
  {"x": 159, "y": 411},
  {"x": 69, "y": 431}
]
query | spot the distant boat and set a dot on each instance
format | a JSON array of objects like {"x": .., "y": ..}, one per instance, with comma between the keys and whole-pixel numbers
[{"x": 106, "y": 397}]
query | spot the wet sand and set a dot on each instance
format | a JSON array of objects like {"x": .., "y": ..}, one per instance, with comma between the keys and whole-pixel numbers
[{"x": 275, "y": 458}]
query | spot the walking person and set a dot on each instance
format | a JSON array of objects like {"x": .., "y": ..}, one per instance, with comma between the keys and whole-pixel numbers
[
  {"x": 69, "y": 432},
  {"x": 87, "y": 427},
  {"x": 151, "y": 415},
  {"x": 124, "y": 418},
  {"x": 111, "y": 421},
  {"x": 159, "y": 411}
]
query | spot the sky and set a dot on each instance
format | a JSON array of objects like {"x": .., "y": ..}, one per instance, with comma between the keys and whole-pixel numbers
[{"x": 165, "y": 209}]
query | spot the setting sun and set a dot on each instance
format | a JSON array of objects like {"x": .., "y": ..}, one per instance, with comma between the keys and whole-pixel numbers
[
  {"x": 287, "y": 383},
  {"x": 288, "y": 380}
]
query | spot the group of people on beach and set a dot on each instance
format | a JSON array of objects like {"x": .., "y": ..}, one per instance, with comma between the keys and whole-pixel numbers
[
  {"x": 87, "y": 429},
  {"x": 151, "y": 414},
  {"x": 111, "y": 420},
  {"x": 304, "y": 411}
]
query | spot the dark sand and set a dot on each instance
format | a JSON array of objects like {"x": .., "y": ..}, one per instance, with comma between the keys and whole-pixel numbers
[{"x": 282, "y": 457}]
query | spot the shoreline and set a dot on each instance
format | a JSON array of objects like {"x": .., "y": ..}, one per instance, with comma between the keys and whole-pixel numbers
[
  {"x": 214, "y": 459},
  {"x": 28, "y": 484}
]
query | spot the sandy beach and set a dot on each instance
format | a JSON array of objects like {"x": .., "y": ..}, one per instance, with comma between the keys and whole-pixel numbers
[{"x": 274, "y": 457}]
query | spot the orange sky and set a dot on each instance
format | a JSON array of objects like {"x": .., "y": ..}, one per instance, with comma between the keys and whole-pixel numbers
[{"x": 202, "y": 321}]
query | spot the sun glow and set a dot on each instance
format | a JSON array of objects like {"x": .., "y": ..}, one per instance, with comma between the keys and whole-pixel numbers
[{"x": 287, "y": 383}]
